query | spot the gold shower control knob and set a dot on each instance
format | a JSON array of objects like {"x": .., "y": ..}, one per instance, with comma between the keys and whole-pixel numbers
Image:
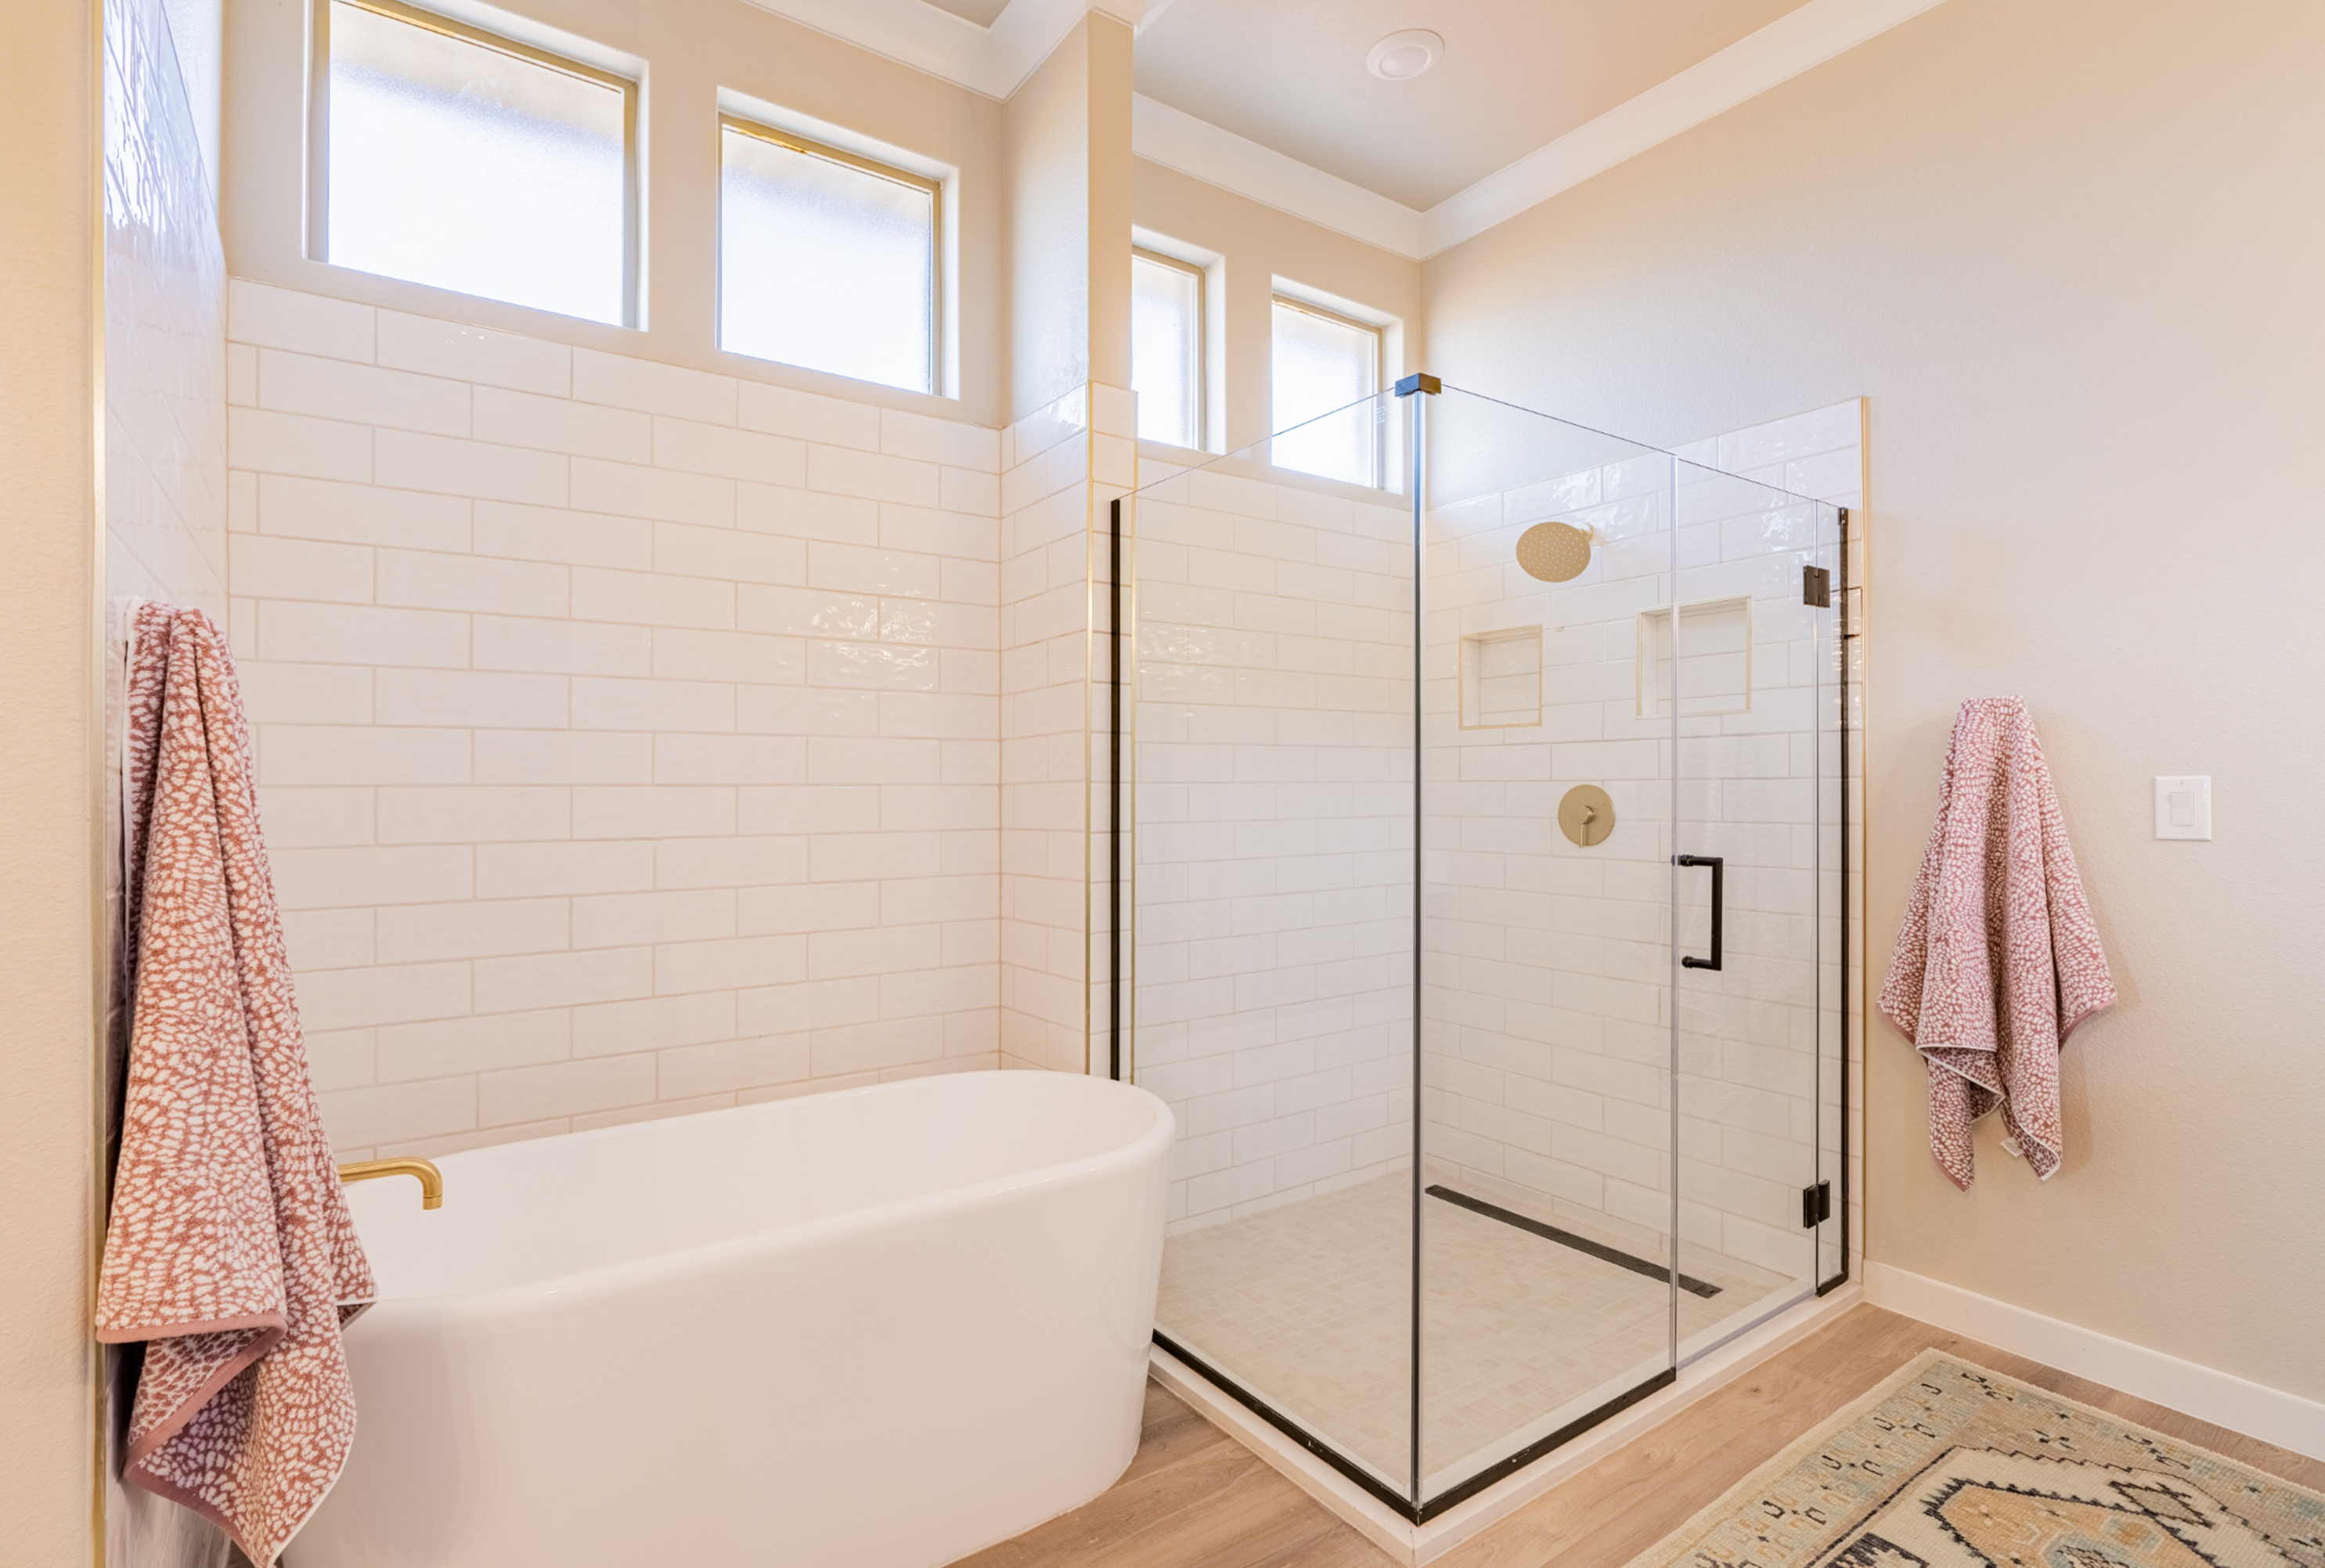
[{"x": 1586, "y": 815}]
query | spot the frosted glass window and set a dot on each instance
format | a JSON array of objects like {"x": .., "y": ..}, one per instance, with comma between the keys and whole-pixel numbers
[
  {"x": 454, "y": 162},
  {"x": 825, "y": 261},
  {"x": 1320, "y": 363},
  {"x": 1166, "y": 348}
]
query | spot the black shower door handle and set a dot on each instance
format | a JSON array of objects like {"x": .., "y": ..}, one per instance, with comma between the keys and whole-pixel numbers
[{"x": 1718, "y": 865}]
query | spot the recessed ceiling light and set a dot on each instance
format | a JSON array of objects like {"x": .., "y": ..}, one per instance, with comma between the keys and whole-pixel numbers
[{"x": 1402, "y": 56}]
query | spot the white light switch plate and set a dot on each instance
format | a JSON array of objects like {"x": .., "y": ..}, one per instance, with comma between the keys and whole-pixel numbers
[{"x": 2183, "y": 808}]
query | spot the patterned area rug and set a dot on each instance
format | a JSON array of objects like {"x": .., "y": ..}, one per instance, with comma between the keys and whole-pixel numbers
[{"x": 1949, "y": 1465}]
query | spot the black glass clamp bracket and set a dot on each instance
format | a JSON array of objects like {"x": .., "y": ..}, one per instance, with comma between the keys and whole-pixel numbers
[
  {"x": 1718, "y": 865},
  {"x": 1816, "y": 1204},
  {"x": 1419, "y": 381}
]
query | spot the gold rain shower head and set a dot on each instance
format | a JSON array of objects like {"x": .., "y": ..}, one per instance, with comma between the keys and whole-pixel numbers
[{"x": 1555, "y": 552}]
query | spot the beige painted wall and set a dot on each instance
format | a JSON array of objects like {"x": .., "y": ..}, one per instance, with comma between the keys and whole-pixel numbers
[
  {"x": 2070, "y": 250},
  {"x": 693, "y": 49},
  {"x": 1108, "y": 238},
  {"x": 1260, "y": 243},
  {"x": 48, "y": 508},
  {"x": 1066, "y": 159}
]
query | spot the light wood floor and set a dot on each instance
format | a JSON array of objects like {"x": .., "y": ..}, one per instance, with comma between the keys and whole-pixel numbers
[{"x": 1195, "y": 1498}]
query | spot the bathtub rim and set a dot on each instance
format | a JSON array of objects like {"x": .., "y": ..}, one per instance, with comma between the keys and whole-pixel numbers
[{"x": 598, "y": 1282}]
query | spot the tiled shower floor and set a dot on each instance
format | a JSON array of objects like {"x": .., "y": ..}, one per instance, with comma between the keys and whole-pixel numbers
[{"x": 1308, "y": 1307}]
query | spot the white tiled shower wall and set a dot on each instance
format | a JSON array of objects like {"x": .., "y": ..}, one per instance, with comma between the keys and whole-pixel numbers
[
  {"x": 165, "y": 486},
  {"x": 1273, "y": 859},
  {"x": 1064, "y": 464},
  {"x": 1821, "y": 454},
  {"x": 1551, "y": 1003},
  {"x": 164, "y": 328},
  {"x": 1274, "y": 845},
  {"x": 629, "y": 737}
]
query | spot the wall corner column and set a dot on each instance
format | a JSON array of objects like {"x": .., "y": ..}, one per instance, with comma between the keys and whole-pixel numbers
[
  {"x": 1070, "y": 448},
  {"x": 51, "y": 145}
]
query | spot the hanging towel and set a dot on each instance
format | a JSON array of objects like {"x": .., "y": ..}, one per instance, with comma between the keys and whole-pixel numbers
[
  {"x": 1998, "y": 959},
  {"x": 229, "y": 1251}
]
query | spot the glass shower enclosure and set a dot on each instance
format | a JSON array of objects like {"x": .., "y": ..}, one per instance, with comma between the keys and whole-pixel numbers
[{"x": 1482, "y": 919}]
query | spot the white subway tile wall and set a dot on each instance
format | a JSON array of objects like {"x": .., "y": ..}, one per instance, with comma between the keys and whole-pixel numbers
[
  {"x": 1274, "y": 843},
  {"x": 1273, "y": 894},
  {"x": 1061, "y": 466},
  {"x": 165, "y": 376},
  {"x": 165, "y": 364},
  {"x": 1549, "y": 1008},
  {"x": 1821, "y": 454},
  {"x": 1114, "y": 475},
  {"x": 630, "y": 738},
  {"x": 165, "y": 503}
]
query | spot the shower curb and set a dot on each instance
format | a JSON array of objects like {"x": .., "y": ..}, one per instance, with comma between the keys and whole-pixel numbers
[{"x": 1414, "y": 1544}]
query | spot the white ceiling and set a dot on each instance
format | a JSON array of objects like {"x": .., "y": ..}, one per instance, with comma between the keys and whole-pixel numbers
[
  {"x": 1271, "y": 99},
  {"x": 1290, "y": 74}
]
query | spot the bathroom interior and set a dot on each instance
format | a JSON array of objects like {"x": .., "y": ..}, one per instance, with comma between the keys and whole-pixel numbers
[{"x": 865, "y": 783}]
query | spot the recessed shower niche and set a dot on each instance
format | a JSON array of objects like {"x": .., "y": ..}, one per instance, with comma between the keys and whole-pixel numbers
[
  {"x": 1698, "y": 660},
  {"x": 1501, "y": 679}
]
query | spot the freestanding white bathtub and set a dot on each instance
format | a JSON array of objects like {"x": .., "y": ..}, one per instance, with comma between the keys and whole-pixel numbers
[{"x": 876, "y": 1328}]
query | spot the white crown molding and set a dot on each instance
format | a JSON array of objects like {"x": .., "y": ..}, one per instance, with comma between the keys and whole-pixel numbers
[
  {"x": 992, "y": 61},
  {"x": 1027, "y": 30},
  {"x": 1155, "y": 9},
  {"x": 908, "y": 31},
  {"x": 2222, "y": 1398},
  {"x": 1793, "y": 43},
  {"x": 995, "y": 60},
  {"x": 1178, "y": 140}
]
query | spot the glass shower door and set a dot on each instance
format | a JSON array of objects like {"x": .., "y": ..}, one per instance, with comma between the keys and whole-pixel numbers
[
  {"x": 1485, "y": 887},
  {"x": 1547, "y": 1244},
  {"x": 1273, "y": 928},
  {"x": 1743, "y": 660}
]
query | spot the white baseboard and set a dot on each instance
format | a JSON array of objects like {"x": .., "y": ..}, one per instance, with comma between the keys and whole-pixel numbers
[
  {"x": 1414, "y": 1544},
  {"x": 2222, "y": 1398}
]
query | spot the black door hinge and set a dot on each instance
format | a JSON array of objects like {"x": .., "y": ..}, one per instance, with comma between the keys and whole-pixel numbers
[
  {"x": 1816, "y": 1205},
  {"x": 1816, "y": 587}
]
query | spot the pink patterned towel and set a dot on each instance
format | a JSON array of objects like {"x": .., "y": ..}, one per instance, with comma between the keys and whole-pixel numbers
[
  {"x": 1998, "y": 959},
  {"x": 229, "y": 1250}
]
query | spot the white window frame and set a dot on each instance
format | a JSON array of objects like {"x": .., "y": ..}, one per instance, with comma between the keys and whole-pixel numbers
[
  {"x": 776, "y": 135},
  {"x": 319, "y": 132},
  {"x": 1204, "y": 396},
  {"x": 1341, "y": 313},
  {"x": 827, "y": 139},
  {"x": 1215, "y": 336}
]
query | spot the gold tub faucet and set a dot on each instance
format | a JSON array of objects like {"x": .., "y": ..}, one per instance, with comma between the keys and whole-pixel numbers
[{"x": 431, "y": 1180}]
